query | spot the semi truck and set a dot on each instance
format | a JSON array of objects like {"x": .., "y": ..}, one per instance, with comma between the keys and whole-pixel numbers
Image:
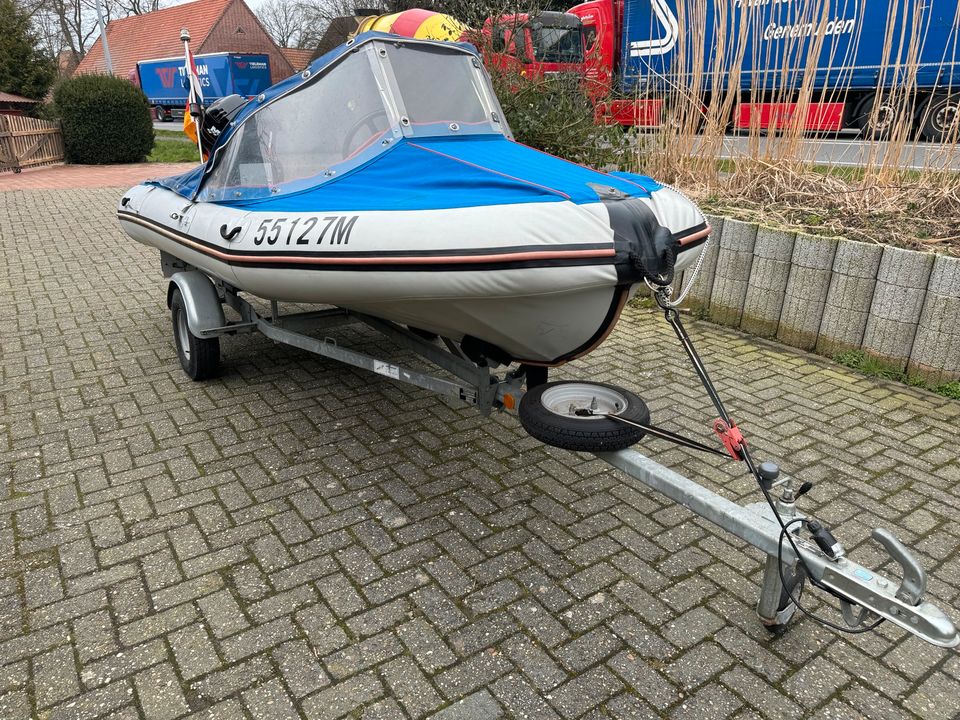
[
  {"x": 165, "y": 84},
  {"x": 841, "y": 64}
]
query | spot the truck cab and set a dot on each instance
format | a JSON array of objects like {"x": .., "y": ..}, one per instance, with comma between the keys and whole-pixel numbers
[
  {"x": 538, "y": 45},
  {"x": 601, "y": 20}
]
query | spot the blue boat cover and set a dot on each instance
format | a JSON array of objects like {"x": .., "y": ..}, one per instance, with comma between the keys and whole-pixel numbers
[
  {"x": 437, "y": 173},
  {"x": 423, "y": 173}
]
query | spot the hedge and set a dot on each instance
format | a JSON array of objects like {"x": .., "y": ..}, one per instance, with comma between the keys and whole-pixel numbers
[{"x": 105, "y": 119}]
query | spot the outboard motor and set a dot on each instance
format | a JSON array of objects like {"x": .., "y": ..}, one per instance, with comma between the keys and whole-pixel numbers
[{"x": 217, "y": 116}]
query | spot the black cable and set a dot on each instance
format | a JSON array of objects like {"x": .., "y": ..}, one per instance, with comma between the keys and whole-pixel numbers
[{"x": 796, "y": 602}]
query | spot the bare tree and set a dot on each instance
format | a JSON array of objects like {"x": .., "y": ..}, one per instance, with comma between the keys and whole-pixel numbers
[
  {"x": 285, "y": 20},
  {"x": 69, "y": 27},
  {"x": 136, "y": 7}
]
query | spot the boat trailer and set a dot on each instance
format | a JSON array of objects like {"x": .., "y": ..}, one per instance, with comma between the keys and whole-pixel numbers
[{"x": 866, "y": 597}]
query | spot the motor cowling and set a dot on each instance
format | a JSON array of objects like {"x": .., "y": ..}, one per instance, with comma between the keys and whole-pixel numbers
[{"x": 217, "y": 116}]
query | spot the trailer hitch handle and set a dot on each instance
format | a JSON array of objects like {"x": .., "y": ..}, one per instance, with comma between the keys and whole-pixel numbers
[{"x": 914, "y": 583}]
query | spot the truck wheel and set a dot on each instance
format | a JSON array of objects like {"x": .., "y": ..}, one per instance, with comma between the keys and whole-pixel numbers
[
  {"x": 557, "y": 413},
  {"x": 163, "y": 115},
  {"x": 940, "y": 118},
  {"x": 878, "y": 124},
  {"x": 199, "y": 357}
]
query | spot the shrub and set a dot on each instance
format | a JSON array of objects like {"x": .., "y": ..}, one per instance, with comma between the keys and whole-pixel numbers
[
  {"x": 554, "y": 114},
  {"x": 105, "y": 119}
]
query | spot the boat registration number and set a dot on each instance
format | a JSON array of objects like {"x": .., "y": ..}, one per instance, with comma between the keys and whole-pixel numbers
[{"x": 332, "y": 229}]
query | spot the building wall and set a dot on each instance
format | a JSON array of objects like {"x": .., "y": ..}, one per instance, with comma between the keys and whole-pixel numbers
[{"x": 224, "y": 37}]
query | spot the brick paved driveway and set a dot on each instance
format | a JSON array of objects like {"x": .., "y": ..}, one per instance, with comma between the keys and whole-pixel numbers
[
  {"x": 63, "y": 177},
  {"x": 297, "y": 539}
]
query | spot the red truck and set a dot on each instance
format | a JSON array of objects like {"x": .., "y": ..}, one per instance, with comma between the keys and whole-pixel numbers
[{"x": 584, "y": 40}]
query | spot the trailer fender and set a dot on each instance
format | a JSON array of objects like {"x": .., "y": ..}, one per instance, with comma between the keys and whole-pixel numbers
[{"x": 201, "y": 301}]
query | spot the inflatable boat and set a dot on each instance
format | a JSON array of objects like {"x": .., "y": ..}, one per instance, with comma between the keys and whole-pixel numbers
[{"x": 384, "y": 180}]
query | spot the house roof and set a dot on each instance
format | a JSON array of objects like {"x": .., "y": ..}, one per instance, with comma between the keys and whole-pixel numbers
[
  {"x": 153, "y": 35},
  {"x": 297, "y": 57},
  {"x": 11, "y": 99}
]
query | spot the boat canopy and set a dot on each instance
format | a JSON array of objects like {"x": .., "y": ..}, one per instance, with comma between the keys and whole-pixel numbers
[
  {"x": 387, "y": 123},
  {"x": 345, "y": 110}
]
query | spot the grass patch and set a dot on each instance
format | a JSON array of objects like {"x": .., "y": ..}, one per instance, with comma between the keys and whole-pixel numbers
[
  {"x": 642, "y": 302},
  {"x": 950, "y": 389},
  {"x": 872, "y": 367},
  {"x": 170, "y": 150},
  {"x": 177, "y": 134}
]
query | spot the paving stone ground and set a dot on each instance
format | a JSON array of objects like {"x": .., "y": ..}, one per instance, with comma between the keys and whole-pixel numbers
[
  {"x": 64, "y": 177},
  {"x": 298, "y": 539}
]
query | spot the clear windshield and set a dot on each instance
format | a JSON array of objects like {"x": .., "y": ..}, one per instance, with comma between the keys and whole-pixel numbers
[
  {"x": 558, "y": 44},
  {"x": 437, "y": 88},
  {"x": 348, "y": 114}
]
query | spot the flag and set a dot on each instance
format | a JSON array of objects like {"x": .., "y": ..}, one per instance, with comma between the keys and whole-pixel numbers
[{"x": 194, "y": 97}]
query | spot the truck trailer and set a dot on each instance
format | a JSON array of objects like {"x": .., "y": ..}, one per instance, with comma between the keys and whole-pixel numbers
[
  {"x": 165, "y": 84},
  {"x": 862, "y": 64}
]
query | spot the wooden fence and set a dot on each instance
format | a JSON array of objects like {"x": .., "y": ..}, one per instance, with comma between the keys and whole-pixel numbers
[{"x": 25, "y": 142}]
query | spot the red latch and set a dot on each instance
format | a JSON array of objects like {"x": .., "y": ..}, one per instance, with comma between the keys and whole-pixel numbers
[{"x": 731, "y": 437}]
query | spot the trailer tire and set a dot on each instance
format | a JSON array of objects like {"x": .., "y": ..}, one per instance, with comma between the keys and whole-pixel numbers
[
  {"x": 199, "y": 357},
  {"x": 544, "y": 413},
  {"x": 940, "y": 118}
]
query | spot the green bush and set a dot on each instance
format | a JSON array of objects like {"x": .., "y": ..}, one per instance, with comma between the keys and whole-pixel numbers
[
  {"x": 554, "y": 114},
  {"x": 105, "y": 119}
]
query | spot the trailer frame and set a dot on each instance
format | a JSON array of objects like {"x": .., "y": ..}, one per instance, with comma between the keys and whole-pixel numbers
[{"x": 866, "y": 595}]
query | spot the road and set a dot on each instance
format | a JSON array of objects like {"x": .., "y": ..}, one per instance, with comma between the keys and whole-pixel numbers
[
  {"x": 850, "y": 151},
  {"x": 174, "y": 125}
]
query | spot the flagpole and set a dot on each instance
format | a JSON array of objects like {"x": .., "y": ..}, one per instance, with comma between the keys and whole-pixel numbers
[
  {"x": 188, "y": 66},
  {"x": 107, "y": 61}
]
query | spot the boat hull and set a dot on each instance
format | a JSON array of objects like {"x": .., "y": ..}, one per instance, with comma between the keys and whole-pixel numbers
[{"x": 521, "y": 279}]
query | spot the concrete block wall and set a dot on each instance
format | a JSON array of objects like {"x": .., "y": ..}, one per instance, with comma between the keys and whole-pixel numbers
[
  {"x": 807, "y": 287},
  {"x": 937, "y": 345},
  {"x": 847, "y": 306},
  {"x": 699, "y": 297},
  {"x": 897, "y": 302},
  {"x": 772, "y": 252},
  {"x": 832, "y": 295},
  {"x": 732, "y": 277}
]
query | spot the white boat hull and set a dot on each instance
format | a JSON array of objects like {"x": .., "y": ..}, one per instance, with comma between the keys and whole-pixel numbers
[{"x": 476, "y": 271}]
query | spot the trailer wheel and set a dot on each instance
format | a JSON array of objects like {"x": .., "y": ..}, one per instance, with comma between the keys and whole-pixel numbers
[
  {"x": 199, "y": 357},
  {"x": 877, "y": 124},
  {"x": 940, "y": 118},
  {"x": 549, "y": 412}
]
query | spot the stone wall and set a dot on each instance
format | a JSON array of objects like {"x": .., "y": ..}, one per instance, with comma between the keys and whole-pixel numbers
[{"x": 832, "y": 295}]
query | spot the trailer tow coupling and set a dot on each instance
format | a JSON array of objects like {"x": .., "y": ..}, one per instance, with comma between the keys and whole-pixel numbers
[{"x": 865, "y": 596}]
